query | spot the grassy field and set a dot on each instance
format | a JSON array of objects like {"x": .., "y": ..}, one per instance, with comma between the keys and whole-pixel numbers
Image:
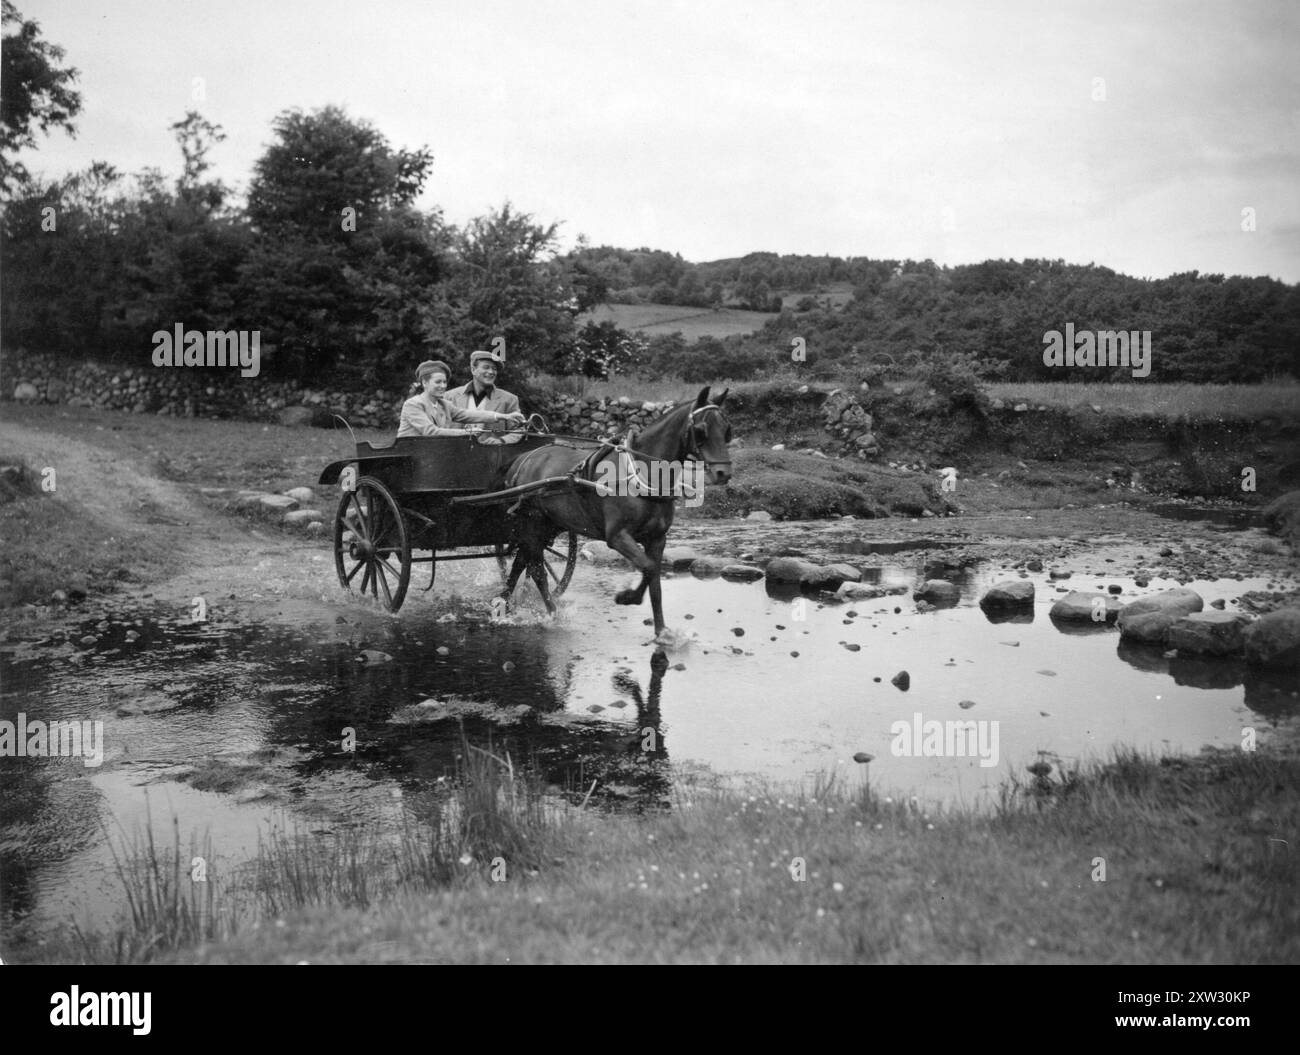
[
  {"x": 1141, "y": 860},
  {"x": 835, "y": 295},
  {"x": 1188, "y": 401},
  {"x": 691, "y": 323}
]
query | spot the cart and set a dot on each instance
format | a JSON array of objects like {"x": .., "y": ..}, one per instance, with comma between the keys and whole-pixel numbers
[{"x": 436, "y": 494}]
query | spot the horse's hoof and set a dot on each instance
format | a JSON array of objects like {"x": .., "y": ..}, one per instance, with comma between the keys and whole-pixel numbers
[{"x": 626, "y": 597}]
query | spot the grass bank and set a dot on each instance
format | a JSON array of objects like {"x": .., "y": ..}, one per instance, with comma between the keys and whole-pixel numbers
[
  {"x": 1177, "y": 401},
  {"x": 1141, "y": 860}
]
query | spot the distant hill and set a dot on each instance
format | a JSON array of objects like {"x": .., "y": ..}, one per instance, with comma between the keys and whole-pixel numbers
[{"x": 691, "y": 323}]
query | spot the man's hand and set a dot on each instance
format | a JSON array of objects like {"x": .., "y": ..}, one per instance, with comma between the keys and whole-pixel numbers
[{"x": 514, "y": 417}]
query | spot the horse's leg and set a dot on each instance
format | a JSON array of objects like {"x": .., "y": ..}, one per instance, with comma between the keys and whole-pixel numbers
[
  {"x": 624, "y": 543},
  {"x": 537, "y": 572},
  {"x": 654, "y": 549},
  {"x": 517, "y": 568}
]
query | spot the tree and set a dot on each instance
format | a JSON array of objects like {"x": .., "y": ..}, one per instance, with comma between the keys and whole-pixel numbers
[
  {"x": 34, "y": 93},
  {"x": 324, "y": 163},
  {"x": 505, "y": 285},
  {"x": 345, "y": 274}
]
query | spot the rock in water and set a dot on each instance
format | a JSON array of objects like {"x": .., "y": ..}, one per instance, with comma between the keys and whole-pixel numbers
[
  {"x": 1274, "y": 639},
  {"x": 1010, "y": 593},
  {"x": 1149, "y": 618},
  {"x": 937, "y": 591},
  {"x": 1212, "y": 633},
  {"x": 1077, "y": 606}
]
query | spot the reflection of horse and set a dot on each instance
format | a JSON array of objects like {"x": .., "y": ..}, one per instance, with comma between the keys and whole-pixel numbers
[{"x": 633, "y": 524}]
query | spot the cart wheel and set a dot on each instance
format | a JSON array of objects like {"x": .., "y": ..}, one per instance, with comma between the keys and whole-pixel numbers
[
  {"x": 369, "y": 534},
  {"x": 559, "y": 559}
]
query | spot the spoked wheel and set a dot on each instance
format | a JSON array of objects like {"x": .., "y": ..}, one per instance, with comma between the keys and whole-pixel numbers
[
  {"x": 371, "y": 549},
  {"x": 559, "y": 559}
]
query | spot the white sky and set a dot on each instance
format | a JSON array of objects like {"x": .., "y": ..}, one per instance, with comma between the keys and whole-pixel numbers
[{"x": 952, "y": 130}]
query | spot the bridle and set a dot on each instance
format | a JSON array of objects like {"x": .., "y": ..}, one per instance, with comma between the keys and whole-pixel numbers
[{"x": 690, "y": 442}]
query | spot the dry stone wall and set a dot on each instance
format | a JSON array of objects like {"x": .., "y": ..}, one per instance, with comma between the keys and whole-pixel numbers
[{"x": 197, "y": 393}]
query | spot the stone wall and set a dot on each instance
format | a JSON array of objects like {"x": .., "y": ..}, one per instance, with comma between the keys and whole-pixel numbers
[{"x": 196, "y": 393}]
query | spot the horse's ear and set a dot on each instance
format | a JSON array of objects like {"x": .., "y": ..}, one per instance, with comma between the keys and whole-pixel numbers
[
  {"x": 702, "y": 398},
  {"x": 722, "y": 398}
]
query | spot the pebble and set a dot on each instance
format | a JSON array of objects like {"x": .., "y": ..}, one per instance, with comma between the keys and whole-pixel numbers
[{"x": 863, "y": 757}]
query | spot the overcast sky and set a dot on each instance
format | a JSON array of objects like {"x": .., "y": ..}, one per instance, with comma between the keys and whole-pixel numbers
[{"x": 1126, "y": 134}]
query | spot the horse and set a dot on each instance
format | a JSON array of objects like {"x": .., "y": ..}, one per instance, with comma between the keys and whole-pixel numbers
[{"x": 633, "y": 524}]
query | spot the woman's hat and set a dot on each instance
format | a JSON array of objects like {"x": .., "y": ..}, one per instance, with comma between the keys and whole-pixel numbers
[{"x": 428, "y": 367}]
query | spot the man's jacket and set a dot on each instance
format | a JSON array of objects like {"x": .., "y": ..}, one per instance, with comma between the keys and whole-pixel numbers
[{"x": 498, "y": 399}]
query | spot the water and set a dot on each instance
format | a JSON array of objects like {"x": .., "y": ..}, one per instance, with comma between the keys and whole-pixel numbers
[{"x": 238, "y": 725}]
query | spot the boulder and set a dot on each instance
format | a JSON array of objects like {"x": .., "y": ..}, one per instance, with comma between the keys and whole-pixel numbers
[
  {"x": 742, "y": 573},
  {"x": 708, "y": 567},
  {"x": 859, "y": 591},
  {"x": 678, "y": 558},
  {"x": 1149, "y": 618},
  {"x": 1077, "y": 606},
  {"x": 299, "y": 517},
  {"x": 1212, "y": 633},
  {"x": 841, "y": 572},
  {"x": 759, "y": 514},
  {"x": 938, "y": 591},
  {"x": 264, "y": 500},
  {"x": 1282, "y": 515},
  {"x": 300, "y": 494},
  {"x": 1273, "y": 640},
  {"x": 278, "y": 503},
  {"x": 1010, "y": 593},
  {"x": 26, "y": 392},
  {"x": 54, "y": 391},
  {"x": 797, "y": 570}
]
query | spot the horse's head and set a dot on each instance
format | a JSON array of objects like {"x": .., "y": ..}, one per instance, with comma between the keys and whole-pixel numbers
[{"x": 707, "y": 435}]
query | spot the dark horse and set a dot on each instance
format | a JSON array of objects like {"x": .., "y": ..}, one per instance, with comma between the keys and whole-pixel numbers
[{"x": 633, "y": 524}]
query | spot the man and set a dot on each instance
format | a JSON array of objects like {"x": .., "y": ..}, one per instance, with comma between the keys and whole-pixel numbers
[
  {"x": 428, "y": 413},
  {"x": 481, "y": 393}
]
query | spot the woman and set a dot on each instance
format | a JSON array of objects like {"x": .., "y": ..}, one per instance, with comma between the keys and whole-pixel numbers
[{"x": 428, "y": 414}]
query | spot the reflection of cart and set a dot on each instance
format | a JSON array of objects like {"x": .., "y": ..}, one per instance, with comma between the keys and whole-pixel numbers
[{"x": 434, "y": 493}]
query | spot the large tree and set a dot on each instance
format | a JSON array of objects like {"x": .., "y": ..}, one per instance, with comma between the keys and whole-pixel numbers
[
  {"x": 509, "y": 284},
  {"x": 345, "y": 273},
  {"x": 35, "y": 92},
  {"x": 325, "y": 162}
]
